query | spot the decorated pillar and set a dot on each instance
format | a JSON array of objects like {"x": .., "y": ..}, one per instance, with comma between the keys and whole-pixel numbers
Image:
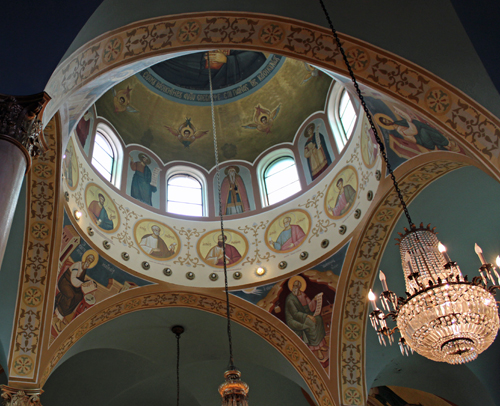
[
  {"x": 20, "y": 397},
  {"x": 21, "y": 137}
]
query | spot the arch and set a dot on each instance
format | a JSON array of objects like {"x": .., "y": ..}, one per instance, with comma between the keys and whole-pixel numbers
[
  {"x": 80, "y": 77},
  {"x": 442, "y": 104},
  {"x": 357, "y": 279},
  {"x": 258, "y": 321}
]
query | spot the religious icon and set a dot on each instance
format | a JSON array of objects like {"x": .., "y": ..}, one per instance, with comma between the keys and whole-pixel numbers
[
  {"x": 233, "y": 192},
  {"x": 73, "y": 286},
  {"x": 312, "y": 72},
  {"x": 315, "y": 151},
  {"x": 156, "y": 239},
  {"x": 70, "y": 166},
  {"x": 341, "y": 193},
  {"x": 144, "y": 180},
  {"x": 410, "y": 136},
  {"x": 210, "y": 248},
  {"x": 121, "y": 100},
  {"x": 305, "y": 304},
  {"x": 101, "y": 209},
  {"x": 369, "y": 146},
  {"x": 303, "y": 316},
  {"x": 288, "y": 231},
  {"x": 263, "y": 119},
  {"x": 186, "y": 133}
]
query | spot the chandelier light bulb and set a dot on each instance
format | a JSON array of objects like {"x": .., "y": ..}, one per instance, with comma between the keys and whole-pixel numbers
[
  {"x": 498, "y": 261},
  {"x": 78, "y": 214},
  {"x": 479, "y": 253},
  {"x": 372, "y": 298},
  {"x": 383, "y": 281},
  {"x": 441, "y": 248}
]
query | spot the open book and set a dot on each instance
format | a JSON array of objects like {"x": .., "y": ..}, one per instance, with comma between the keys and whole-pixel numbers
[{"x": 91, "y": 287}]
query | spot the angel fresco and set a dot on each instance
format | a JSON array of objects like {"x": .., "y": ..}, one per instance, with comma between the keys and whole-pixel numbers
[
  {"x": 312, "y": 72},
  {"x": 263, "y": 119},
  {"x": 186, "y": 133},
  {"x": 121, "y": 101}
]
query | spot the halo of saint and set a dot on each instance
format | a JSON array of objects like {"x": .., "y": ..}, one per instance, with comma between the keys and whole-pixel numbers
[
  {"x": 156, "y": 240},
  {"x": 341, "y": 193}
]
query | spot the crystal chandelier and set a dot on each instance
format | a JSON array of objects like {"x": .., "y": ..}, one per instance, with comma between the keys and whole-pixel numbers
[
  {"x": 234, "y": 392},
  {"x": 444, "y": 316}
]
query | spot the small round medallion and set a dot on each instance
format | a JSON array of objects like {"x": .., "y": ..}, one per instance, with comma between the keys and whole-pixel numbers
[
  {"x": 66, "y": 196},
  {"x": 369, "y": 195},
  {"x": 357, "y": 214},
  {"x": 325, "y": 243},
  {"x": 106, "y": 244},
  {"x": 190, "y": 275},
  {"x": 125, "y": 256},
  {"x": 282, "y": 265},
  {"x": 378, "y": 175},
  {"x": 145, "y": 265},
  {"x": 342, "y": 230},
  {"x": 213, "y": 276},
  {"x": 237, "y": 275},
  {"x": 167, "y": 271},
  {"x": 304, "y": 255}
]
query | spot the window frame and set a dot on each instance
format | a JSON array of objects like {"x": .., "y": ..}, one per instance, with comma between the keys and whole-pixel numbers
[
  {"x": 264, "y": 166},
  {"x": 339, "y": 134},
  {"x": 192, "y": 173},
  {"x": 111, "y": 137}
]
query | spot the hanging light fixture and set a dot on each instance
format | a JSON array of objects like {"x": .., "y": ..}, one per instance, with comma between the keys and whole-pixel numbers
[
  {"x": 444, "y": 317},
  {"x": 234, "y": 392}
]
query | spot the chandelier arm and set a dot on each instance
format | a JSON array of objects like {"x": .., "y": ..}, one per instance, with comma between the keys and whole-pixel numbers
[
  {"x": 368, "y": 116},
  {"x": 221, "y": 215}
]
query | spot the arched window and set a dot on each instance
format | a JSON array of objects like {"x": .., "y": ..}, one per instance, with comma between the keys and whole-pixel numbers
[
  {"x": 184, "y": 195},
  {"x": 281, "y": 180},
  {"x": 347, "y": 115},
  {"x": 104, "y": 157}
]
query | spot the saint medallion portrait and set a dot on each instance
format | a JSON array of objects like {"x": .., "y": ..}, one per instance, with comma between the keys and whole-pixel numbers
[
  {"x": 101, "y": 209},
  {"x": 210, "y": 248},
  {"x": 288, "y": 231},
  {"x": 156, "y": 239},
  {"x": 341, "y": 193}
]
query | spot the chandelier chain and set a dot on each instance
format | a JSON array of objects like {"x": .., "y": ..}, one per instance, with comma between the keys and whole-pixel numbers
[
  {"x": 221, "y": 215},
  {"x": 178, "y": 360},
  {"x": 368, "y": 115}
]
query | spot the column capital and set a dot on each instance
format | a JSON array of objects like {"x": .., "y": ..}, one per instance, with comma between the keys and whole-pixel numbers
[
  {"x": 20, "y": 397},
  {"x": 21, "y": 121}
]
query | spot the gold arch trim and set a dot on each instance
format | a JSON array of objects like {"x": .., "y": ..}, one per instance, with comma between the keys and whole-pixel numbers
[
  {"x": 291, "y": 347},
  {"x": 120, "y": 53}
]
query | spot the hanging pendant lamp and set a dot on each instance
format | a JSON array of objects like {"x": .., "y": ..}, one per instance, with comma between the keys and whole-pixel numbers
[
  {"x": 444, "y": 317},
  {"x": 234, "y": 392}
]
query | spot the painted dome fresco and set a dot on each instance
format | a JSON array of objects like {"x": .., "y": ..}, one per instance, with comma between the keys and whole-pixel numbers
[
  {"x": 294, "y": 155},
  {"x": 262, "y": 101}
]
